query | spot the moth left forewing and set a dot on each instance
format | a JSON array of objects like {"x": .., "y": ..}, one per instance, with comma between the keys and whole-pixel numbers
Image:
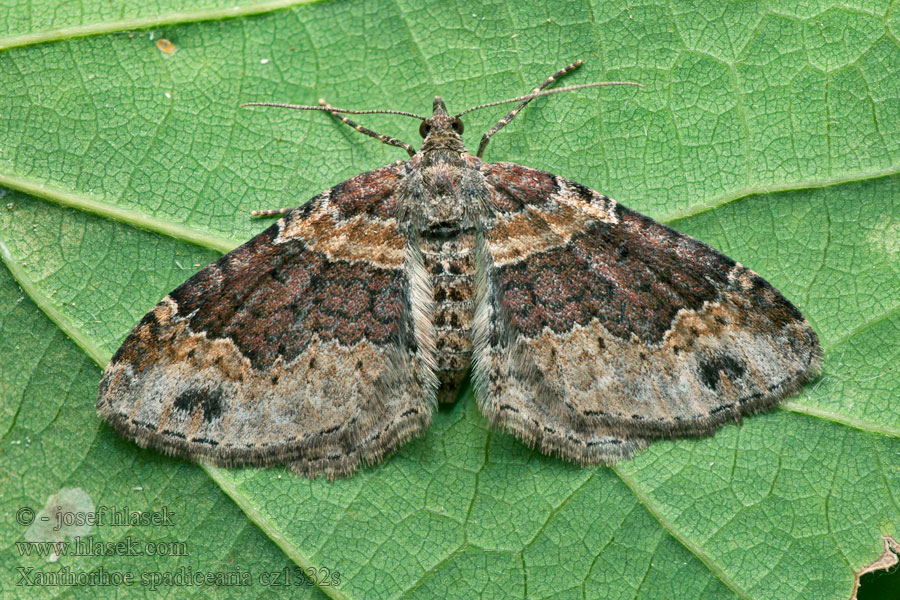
[
  {"x": 301, "y": 346},
  {"x": 615, "y": 324}
]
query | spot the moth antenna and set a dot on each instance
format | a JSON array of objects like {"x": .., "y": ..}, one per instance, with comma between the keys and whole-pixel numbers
[
  {"x": 535, "y": 93},
  {"x": 570, "y": 88},
  {"x": 323, "y": 105},
  {"x": 384, "y": 139},
  {"x": 512, "y": 114},
  {"x": 335, "y": 110}
]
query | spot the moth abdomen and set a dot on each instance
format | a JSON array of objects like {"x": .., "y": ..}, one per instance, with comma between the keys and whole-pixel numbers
[{"x": 450, "y": 263}]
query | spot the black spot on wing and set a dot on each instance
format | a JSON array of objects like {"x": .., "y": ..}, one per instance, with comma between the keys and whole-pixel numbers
[
  {"x": 209, "y": 400},
  {"x": 712, "y": 369}
]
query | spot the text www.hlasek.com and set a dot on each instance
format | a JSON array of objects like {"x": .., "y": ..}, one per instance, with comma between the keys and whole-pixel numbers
[{"x": 88, "y": 546}]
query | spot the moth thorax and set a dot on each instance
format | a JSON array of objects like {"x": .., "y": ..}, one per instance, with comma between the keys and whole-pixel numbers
[
  {"x": 443, "y": 207},
  {"x": 443, "y": 215}
]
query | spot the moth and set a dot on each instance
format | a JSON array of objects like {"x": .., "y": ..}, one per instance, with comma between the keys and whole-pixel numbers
[{"x": 327, "y": 341}]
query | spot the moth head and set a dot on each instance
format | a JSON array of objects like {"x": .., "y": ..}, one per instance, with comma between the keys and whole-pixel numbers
[{"x": 441, "y": 122}]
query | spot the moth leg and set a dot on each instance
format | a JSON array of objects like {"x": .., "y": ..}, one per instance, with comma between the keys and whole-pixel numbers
[
  {"x": 272, "y": 212},
  {"x": 512, "y": 114},
  {"x": 381, "y": 138}
]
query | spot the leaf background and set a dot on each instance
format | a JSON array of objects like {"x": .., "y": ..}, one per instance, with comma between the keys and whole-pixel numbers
[{"x": 770, "y": 130}]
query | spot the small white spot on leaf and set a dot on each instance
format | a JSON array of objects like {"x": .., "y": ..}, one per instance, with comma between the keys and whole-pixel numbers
[{"x": 63, "y": 516}]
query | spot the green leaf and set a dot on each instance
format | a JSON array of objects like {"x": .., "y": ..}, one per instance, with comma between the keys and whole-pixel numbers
[{"x": 770, "y": 131}]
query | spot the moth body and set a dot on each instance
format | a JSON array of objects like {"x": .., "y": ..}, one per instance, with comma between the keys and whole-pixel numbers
[
  {"x": 444, "y": 192},
  {"x": 326, "y": 341}
]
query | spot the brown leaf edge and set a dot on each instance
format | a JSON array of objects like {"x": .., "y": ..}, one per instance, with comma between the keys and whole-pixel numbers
[{"x": 882, "y": 563}]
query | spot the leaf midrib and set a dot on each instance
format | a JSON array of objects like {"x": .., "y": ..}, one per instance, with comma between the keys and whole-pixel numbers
[{"x": 170, "y": 18}]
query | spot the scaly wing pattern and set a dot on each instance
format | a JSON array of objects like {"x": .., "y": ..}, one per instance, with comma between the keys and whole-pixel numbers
[
  {"x": 308, "y": 345},
  {"x": 598, "y": 329}
]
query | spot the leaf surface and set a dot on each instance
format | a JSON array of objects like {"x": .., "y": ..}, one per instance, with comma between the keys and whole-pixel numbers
[{"x": 769, "y": 131}]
